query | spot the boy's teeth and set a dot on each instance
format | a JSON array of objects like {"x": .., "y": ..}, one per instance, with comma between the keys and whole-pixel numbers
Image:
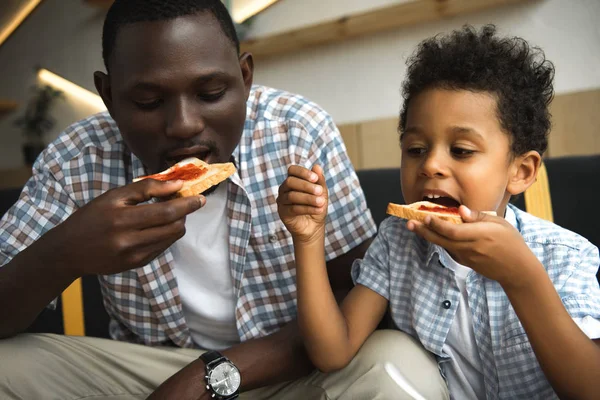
[{"x": 433, "y": 196}]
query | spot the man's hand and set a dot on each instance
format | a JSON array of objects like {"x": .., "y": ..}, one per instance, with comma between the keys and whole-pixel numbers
[
  {"x": 302, "y": 203},
  {"x": 485, "y": 243},
  {"x": 112, "y": 233}
]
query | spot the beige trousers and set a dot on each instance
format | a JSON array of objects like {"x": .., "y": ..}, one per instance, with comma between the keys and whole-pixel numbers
[{"x": 46, "y": 366}]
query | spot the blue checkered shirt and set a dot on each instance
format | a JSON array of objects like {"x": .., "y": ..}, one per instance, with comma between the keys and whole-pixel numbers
[
  {"x": 410, "y": 273},
  {"x": 281, "y": 129}
]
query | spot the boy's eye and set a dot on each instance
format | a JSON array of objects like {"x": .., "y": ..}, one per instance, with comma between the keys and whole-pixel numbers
[
  {"x": 462, "y": 152},
  {"x": 416, "y": 151},
  {"x": 148, "y": 105}
]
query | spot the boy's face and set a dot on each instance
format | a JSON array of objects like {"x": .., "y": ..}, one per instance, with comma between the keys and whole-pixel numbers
[
  {"x": 454, "y": 151},
  {"x": 177, "y": 89}
]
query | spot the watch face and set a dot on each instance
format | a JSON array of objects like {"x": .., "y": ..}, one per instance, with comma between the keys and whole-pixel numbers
[{"x": 224, "y": 379}]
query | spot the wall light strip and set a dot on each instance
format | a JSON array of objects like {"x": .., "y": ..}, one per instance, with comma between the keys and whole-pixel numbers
[
  {"x": 242, "y": 12},
  {"x": 69, "y": 87},
  {"x": 18, "y": 19}
]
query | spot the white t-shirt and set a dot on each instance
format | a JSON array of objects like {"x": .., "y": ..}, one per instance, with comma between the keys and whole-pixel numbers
[
  {"x": 201, "y": 265},
  {"x": 465, "y": 380}
]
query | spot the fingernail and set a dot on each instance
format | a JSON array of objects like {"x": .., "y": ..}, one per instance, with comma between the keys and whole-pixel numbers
[
  {"x": 313, "y": 177},
  {"x": 467, "y": 211},
  {"x": 318, "y": 190},
  {"x": 202, "y": 201},
  {"x": 320, "y": 201}
]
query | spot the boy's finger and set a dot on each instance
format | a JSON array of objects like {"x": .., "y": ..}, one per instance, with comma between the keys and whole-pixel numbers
[
  {"x": 449, "y": 230},
  {"x": 469, "y": 215},
  {"x": 431, "y": 236},
  {"x": 302, "y": 173},
  {"x": 317, "y": 169},
  {"x": 293, "y": 183},
  {"x": 299, "y": 198}
]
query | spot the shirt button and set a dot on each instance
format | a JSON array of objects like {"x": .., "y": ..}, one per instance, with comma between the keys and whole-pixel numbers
[
  {"x": 273, "y": 238},
  {"x": 446, "y": 304}
]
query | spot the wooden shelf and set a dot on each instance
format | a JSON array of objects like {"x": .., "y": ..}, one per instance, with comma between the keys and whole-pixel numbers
[
  {"x": 7, "y": 106},
  {"x": 100, "y": 3},
  {"x": 370, "y": 22}
]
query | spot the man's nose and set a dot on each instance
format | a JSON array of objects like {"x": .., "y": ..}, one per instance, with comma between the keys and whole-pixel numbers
[{"x": 184, "y": 120}]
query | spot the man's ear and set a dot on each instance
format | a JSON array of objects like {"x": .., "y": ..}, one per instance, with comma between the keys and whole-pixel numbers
[
  {"x": 524, "y": 169},
  {"x": 247, "y": 66},
  {"x": 102, "y": 83}
]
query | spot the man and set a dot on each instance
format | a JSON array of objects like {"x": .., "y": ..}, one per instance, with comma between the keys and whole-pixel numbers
[{"x": 178, "y": 275}]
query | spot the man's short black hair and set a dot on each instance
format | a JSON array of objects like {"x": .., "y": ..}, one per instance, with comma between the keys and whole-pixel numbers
[
  {"x": 123, "y": 12},
  {"x": 517, "y": 74}
]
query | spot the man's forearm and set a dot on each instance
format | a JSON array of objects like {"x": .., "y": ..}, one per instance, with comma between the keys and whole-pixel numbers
[
  {"x": 265, "y": 361},
  {"x": 570, "y": 360},
  {"x": 28, "y": 283}
]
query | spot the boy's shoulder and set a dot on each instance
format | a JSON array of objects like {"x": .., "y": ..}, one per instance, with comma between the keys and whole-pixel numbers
[{"x": 537, "y": 231}]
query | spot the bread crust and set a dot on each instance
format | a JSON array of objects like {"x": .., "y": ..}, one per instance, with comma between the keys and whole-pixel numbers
[
  {"x": 411, "y": 211},
  {"x": 216, "y": 174}
]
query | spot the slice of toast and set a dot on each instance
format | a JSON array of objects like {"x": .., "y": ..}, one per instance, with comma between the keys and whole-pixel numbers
[
  {"x": 196, "y": 174},
  {"x": 419, "y": 210}
]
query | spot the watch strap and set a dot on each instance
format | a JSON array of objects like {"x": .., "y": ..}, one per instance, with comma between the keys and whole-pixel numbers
[{"x": 210, "y": 356}]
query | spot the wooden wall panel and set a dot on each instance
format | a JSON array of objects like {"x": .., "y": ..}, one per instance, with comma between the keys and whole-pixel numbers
[
  {"x": 575, "y": 124},
  {"x": 380, "y": 144},
  {"x": 575, "y": 131},
  {"x": 350, "y": 135}
]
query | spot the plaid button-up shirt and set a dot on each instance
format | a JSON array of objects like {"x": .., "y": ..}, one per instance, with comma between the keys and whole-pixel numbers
[
  {"x": 412, "y": 275},
  {"x": 281, "y": 129}
]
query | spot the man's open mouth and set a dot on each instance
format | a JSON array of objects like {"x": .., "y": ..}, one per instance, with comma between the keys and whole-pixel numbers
[{"x": 197, "y": 151}]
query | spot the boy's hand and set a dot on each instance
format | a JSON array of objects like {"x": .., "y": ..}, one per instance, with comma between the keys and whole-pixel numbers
[
  {"x": 302, "y": 203},
  {"x": 485, "y": 243}
]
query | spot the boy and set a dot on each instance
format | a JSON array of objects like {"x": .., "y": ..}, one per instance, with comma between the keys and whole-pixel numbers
[{"x": 509, "y": 306}]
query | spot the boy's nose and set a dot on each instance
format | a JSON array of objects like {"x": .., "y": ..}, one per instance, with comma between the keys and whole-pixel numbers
[
  {"x": 184, "y": 120},
  {"x": 433, "y": 166}
]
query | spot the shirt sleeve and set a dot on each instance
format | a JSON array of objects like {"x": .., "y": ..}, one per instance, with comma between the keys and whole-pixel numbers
[
  {"x": 373, "y": 271},
  {"x": 42, "y": 205},
  {"x": 349, "y": 221},
  {"x": 581, "y": 294}
]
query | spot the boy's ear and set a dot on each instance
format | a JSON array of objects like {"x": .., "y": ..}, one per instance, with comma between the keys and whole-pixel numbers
[{"x": 524, "y": 169}]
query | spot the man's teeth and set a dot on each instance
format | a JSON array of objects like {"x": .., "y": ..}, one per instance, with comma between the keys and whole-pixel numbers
[{"x": 433, "y": 196}]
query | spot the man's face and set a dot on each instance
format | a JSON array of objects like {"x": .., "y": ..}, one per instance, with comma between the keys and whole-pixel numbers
[
  {"x": 454, "y": 151},
  {"x": 177, "y": 89}
]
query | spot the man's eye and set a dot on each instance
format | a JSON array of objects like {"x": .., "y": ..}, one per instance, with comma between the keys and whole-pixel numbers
[
  {"x": 211, "y": 96},
  {"x": 461, "y": 152},
  {"x": 148, "y": 105}
]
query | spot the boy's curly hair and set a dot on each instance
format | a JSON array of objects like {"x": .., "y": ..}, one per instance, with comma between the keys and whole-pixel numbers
[{"x": 518, "y": 75}]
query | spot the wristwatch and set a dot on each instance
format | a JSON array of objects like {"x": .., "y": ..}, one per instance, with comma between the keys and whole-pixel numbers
[{"x": 223, "y": 379}]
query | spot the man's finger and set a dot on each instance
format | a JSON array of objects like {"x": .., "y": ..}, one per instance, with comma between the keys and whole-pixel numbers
[
  {"x": 300, "y": 185},
  {"x": 146, "y": 189},
  {"x": 150, "y": 215}
]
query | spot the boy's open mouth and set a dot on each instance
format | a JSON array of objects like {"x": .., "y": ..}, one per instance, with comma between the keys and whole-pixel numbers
[{"x": 442, "y": 200}]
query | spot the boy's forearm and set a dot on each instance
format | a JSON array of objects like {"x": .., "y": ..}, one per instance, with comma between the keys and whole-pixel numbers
[
  {"x": 321, "y": 322},
  {"x": 569, "y": 359}
]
